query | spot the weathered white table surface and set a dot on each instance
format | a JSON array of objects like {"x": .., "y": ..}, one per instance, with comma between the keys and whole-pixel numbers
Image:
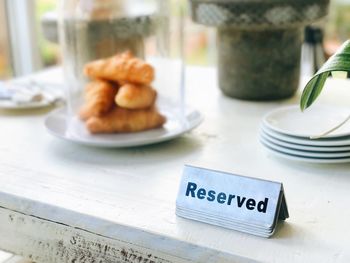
[{"x": 61, "y": 202}]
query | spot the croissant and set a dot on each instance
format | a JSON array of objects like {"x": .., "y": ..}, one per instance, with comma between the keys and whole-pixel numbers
[
  {"x": 121, "y": 68},
  {"x": 135, "y": 97},
  {"x": 121, "y": 120},
  {"x": 99, "y": 99}
]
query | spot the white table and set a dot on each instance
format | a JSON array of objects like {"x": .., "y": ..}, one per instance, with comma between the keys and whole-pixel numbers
[{"x": 61, "y": 202}]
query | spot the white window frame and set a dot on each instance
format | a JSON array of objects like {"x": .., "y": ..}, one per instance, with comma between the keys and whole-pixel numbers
[{"x": 23, "y": 36}]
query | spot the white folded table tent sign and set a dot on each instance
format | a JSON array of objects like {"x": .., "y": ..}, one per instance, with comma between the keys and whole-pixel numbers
[{"x": 236, "y": 202}]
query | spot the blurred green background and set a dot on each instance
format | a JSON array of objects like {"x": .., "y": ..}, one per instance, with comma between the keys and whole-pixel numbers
[
  {"x": 49, "y": 52},
  {"x": 200, "y": 41}
]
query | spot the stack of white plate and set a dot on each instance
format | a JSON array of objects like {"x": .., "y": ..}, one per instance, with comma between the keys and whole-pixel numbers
[{"x": 286, "y": 132}]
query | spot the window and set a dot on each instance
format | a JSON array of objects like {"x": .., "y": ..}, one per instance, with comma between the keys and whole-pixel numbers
[
  {"x": 23, "y": 48},
  {"x": 5, "y": 62}
]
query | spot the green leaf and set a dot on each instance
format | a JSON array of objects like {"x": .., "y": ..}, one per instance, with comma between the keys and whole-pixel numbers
[
  {"x": 313, "y": 90},
  {"x": 340, "y": 61}
]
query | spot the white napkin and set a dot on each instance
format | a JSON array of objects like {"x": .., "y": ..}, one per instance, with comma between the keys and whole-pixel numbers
[{"x": 30, "y": 92}]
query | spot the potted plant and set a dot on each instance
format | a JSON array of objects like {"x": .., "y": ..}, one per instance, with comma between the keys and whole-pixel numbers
[{"x": 259, "y": 43}]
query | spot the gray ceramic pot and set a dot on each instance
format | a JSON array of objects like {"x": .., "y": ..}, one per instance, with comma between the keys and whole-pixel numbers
[{"x": 259, "y": 43}]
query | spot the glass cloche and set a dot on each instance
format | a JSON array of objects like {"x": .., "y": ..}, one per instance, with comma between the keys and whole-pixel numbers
[{"x": 123, "y": 65}]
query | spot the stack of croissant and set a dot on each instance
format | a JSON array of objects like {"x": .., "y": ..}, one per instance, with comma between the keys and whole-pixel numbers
[{"x": 120, "y": 98}]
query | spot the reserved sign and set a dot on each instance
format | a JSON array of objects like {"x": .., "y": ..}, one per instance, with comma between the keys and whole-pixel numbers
[
  {"x": 237, "y": 202},
  {"x": 192, "y": 190}
]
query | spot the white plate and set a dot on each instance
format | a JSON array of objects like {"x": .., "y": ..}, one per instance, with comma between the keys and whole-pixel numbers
[
  {"x": 72, "y": 129},
  {"x": 320, "y": 155},
  {"x": 307, "y": 160},
  {"x": 10, "y": 105},
  {"x": 344, "y": 141},
  {"x": 51, "y": 94},
  {"x": 314, "y": 121},
  {"x": 304, "y": 147}
]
